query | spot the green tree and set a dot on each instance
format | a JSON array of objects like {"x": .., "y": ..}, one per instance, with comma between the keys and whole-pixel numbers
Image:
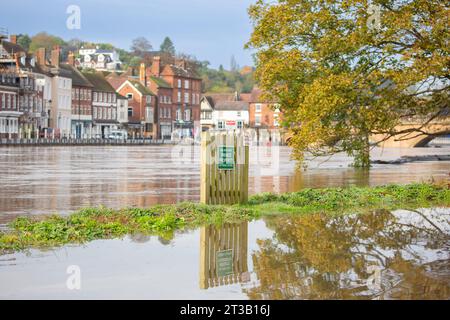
[
  {"x": 167, "y": 46},
  {"x": 45, "y": 40},
  {"x": 342, "y": 80},
  {"x": 24, "y": 41}
]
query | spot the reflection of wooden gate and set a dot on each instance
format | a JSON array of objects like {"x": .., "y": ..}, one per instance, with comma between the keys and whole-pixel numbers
[{"x": 215, "y": 246}]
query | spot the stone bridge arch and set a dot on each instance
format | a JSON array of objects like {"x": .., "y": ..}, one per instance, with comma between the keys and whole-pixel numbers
[{"x": 434, "y": 129}]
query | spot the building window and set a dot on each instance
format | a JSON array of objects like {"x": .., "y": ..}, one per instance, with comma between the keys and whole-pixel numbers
[
  {"x": 129, "y": 96},
  {"x": 178, "y": 114},
  {"x": 149, "y": 99},
  {"x": 257, "y": 120},
  {"x": 186, "y": 97},
  {"x": 149, "y": 114},
  {"x": 220, "y": 125},
  {"x": 239, "y": 114},
  {"x": 239, "y": 125},
  {"x": 187, "y": 115},
  {"x": 179, "y": 96},
  {"x": 186, "y": 84},
  {"x": 258, "y": 107},
  {"x": 179, "y": 83},
  {"x": 130, "y": 112}
]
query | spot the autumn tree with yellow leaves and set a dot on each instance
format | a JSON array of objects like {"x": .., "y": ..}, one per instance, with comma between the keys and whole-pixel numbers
[{"x": 344, "y": 71}]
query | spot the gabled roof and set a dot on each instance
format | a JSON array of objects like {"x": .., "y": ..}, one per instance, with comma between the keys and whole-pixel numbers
[
  {"x": 12, "y": 48},
  {"x": 139, "y": 87},
  {"x": 78, "y": 79},
  {"x": 161, "y": 83},
  {"x": 216, "y": 97},
  {"x": 98, "y": 81},
  {"x": 231, "y": 106},
  {"x": 180, "y": 72},
  {"x": 226, "y": 102}
]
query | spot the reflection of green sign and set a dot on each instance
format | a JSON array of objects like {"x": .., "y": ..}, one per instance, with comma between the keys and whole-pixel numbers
[
  {"x": 226, "y": 158},
  {"x": 224, "y": 263}
]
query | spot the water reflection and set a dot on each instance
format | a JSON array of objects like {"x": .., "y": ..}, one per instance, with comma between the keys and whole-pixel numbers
[
  {"x": 381, "y": 255},
  {"x": 223, "y": 255}
]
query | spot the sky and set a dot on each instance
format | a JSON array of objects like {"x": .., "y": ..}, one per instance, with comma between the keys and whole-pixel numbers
[{"x": 211, "y": 30}]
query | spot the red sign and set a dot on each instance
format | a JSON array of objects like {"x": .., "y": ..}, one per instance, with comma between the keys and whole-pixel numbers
[{"x": 231, "y": 123}]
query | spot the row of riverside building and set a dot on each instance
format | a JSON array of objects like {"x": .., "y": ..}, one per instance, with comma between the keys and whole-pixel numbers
[{"x": 40, "y": 96}]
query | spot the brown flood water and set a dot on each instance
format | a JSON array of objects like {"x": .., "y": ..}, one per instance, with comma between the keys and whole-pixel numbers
[
  {"x": 63, "y": 179},
  {"x": 379, "y": 255}
]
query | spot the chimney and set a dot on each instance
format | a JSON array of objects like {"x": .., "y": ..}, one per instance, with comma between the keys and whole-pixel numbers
[
  {"x": 55, "y": 56},
  {"x": 13, "y": 38},
  {"x": 71, "y": 59},
  {"x": 156, "y": 66},
  {"x": 40, "y": 56},
  {"x": 142, "y": 76}
]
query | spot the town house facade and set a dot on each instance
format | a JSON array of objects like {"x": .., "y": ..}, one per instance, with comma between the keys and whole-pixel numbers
[{"x": 104, "y": 105}]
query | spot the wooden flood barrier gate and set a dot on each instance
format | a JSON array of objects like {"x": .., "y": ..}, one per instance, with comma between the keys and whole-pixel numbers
[{"x": 224, "y": 168}]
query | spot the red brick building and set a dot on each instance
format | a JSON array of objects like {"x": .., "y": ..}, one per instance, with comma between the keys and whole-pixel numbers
[
  {"x": 262, "y": 114},
  {"x": 141, "y": 109},
  {"x": 177, "y": 91}
]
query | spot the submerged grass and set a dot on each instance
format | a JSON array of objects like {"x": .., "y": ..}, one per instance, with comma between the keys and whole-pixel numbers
[{"x": 103, "y": 223}]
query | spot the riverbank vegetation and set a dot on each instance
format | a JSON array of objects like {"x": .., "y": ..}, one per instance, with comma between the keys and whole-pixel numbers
[{"x": 102, "y": 223}]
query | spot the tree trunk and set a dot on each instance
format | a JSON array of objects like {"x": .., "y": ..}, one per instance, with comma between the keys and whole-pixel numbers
[{"x": 362, "y": 156}]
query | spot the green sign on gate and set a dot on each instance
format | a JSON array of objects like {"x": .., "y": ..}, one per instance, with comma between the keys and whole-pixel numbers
[
  {"x": 226, "y": 158},
  {"x": 224, "y": 263}
]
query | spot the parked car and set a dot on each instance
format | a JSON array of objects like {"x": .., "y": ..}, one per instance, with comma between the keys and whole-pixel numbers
[{"x": 117, "y": 135}]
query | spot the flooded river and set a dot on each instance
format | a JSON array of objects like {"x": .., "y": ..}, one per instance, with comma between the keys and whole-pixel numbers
[
  {"x": 63, "y": 179},
  {"x": 379, "y": 255}
]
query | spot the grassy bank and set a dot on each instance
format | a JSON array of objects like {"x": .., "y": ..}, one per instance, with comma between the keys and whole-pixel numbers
[{"x": 103, "y": 223}]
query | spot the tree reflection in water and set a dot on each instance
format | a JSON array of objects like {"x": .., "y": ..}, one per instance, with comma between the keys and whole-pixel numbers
[{"x": 380, "y": 255}]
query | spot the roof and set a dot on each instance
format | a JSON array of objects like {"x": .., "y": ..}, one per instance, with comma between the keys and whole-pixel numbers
[
  {"x": 142, "y": 89},
  {"x": 78, "y": 79},
  {"x": 98, "y": 81},
  {"x": 256, "y": 95},
  {"x": 189, "y": 72},
  {"x": 231, "y": 106},
  {"x": 12, "y": 48},
  {"x": 246, "y": 97},
  {"x": 160, "y": 82}
]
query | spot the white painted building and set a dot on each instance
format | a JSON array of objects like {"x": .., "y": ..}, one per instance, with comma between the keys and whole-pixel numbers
[
  {"x": 61, "y": 112},
  {"x": 122, "y": 109},
  {"x": 44, "y": 89},
  {"x": 223, "y": 115},
  {"x": 98, "y": 59}
]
